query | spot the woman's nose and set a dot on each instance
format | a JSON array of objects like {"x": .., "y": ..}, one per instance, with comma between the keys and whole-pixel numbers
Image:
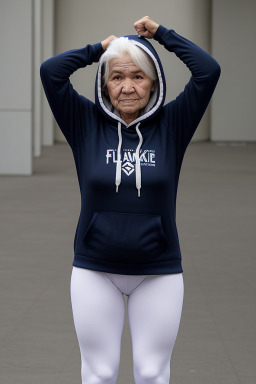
[{"x": 128, "y": 86}]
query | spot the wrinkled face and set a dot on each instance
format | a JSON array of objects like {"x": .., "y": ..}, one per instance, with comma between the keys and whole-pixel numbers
[{"x": 128, "y": 87}]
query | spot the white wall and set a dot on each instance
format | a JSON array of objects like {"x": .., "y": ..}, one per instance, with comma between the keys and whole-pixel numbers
[
  {"x": 26, "y": 124},
  {"x": 79, "y": 22},
  {"x": 234, "y": 46}
]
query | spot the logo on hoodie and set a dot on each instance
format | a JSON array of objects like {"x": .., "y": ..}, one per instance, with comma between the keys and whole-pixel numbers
[{"x": 128, "y": 159}]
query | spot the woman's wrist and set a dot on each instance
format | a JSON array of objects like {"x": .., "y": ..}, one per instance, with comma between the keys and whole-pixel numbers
[{"x": 160, "y": 32}]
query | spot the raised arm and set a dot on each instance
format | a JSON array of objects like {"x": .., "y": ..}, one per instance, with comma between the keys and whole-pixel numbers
[
  {"x": 188, "y": 108},
  {"x": 71, "y": 110}
]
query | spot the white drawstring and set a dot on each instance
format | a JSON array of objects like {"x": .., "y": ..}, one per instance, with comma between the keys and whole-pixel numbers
[
  {"x": 118, "y": 164},
  {"x": 138, "y": 167},
  {"x": 137, "y": 157}
]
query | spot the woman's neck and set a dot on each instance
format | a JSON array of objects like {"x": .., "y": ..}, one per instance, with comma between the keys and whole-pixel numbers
[{"x": 128, "y": 118}]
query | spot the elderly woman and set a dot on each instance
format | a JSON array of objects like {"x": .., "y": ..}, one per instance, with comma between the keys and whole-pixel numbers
[{"x": 126, "y": 243}]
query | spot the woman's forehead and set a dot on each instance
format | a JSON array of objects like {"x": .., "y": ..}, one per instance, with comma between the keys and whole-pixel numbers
[{"x": 124, "y": 62}]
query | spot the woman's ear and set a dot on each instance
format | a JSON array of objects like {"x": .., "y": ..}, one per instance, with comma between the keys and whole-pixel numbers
[
  {"x": 153, "y": 86},
  {"x": 105, "y": 89}
]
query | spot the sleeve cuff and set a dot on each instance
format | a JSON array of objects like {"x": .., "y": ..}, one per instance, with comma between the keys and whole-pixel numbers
[
  {"x": 98, "y": 50},
  {"x": 161, "y": 32}
]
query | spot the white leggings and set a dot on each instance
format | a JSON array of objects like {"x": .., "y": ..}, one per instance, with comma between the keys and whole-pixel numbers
[{"x": 154, "y": 310}]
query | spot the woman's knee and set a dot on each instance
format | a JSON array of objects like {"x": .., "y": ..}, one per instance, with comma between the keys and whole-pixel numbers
[
  {"x": 102, "y": 374},
  {"x": 151, "y": 374}
]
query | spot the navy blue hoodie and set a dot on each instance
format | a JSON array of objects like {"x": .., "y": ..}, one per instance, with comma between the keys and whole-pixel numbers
[{"x": 128, "y": 173}]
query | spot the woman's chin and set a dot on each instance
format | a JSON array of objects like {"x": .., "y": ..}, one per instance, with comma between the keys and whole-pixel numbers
[{"x": 129, "y": 109}]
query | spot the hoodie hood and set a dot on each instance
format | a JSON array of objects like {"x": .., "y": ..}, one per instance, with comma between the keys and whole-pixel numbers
[{"x": 153, "y": 107}]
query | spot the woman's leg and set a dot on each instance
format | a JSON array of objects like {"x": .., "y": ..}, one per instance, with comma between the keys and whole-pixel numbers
[
  {"x": 99, "y": 312},
  {"x": 154, "y": 312}
]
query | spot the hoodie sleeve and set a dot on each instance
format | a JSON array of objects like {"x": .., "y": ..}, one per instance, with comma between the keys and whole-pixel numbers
[
  {"x": 188, "y": 108},
  {"x": 72, "y": 112}
]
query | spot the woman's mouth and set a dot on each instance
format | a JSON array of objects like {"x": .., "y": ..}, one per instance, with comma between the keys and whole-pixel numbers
[{"x": 128, "y": 100}]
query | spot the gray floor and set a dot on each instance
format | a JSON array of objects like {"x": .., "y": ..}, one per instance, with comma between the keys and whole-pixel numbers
[{"x": 216, "y": 219}]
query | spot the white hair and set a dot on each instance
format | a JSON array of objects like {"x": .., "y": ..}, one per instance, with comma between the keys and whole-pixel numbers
[{"x": 121, "y": 45}]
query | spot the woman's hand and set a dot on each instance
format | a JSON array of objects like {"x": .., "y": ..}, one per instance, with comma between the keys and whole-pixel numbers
[
  {"x": 106, "y": 42},
  {"x": 146, "y": 27}
]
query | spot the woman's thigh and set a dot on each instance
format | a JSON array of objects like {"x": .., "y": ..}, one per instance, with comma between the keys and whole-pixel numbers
[
  {"x": 154, "y": 312},
  {"x": 99, "y": 313}
]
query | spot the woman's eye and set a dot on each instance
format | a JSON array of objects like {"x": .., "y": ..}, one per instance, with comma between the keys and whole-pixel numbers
[
  {"x": 117, "y": 77},
  {"x": 138, "y": 77}
]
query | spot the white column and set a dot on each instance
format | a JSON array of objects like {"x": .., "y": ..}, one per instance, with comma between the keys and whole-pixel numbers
[
  {"x": 43, "y": 122},
  {"x": 47, "y": 31},
  {"x": 37, "y": 94},
  {"x": 16, "y": 87}
]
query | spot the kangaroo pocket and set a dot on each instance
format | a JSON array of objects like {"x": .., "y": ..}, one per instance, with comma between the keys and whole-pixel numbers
[{"x": 125, "y": 237}]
